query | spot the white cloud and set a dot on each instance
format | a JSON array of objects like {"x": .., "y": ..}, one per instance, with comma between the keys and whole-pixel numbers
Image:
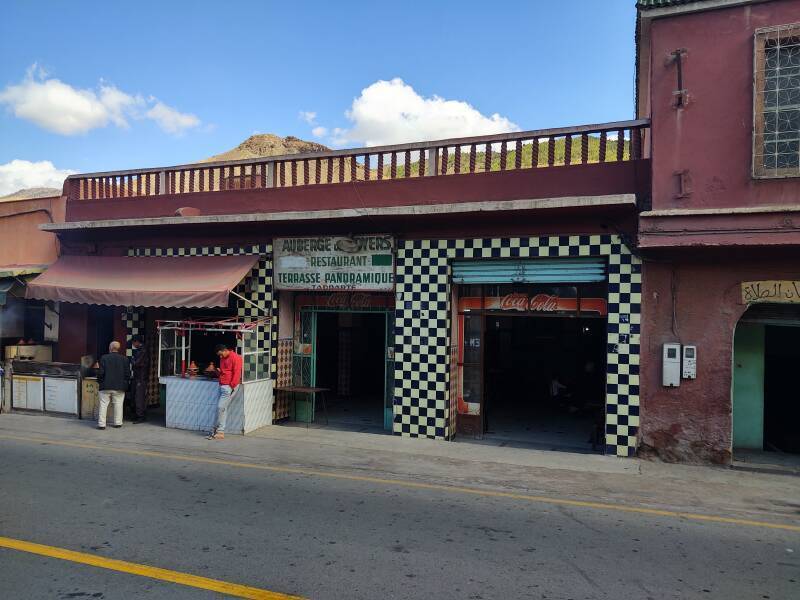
[
  {"x": 392, "y": 112},
  {"x": 319, "y": 131},
  {"x": 171, "y": 120},
  {"x": 20, "y": 174},
  {"x": 119, "y": 104},
  {"x": 308, "y": 116},
  {"x": 63, "y": 109}
]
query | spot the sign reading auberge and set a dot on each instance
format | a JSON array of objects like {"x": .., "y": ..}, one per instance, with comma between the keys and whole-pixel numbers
[{"x": 334, "y": 263}]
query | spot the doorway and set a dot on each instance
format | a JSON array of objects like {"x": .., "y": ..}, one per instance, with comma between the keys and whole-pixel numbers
[
  {"x": 350, "y": 363},
  {"x": 531, "y": 366},
  {"x": 766, "y": 403},
  {"x": 544, "y": 381},
  {"x": 781, "y": 396},
  {"x": 347, "y": 352}
]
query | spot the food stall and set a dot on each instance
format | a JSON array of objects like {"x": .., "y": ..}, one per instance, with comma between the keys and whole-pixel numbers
[{"x": 187, "y": 367}]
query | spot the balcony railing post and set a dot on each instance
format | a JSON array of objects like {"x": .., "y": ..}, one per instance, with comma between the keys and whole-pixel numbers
[
  {"x": 162, "y": 183},
  {"x": 270, "y": 175},
  {"x": 430, "y": 162}
]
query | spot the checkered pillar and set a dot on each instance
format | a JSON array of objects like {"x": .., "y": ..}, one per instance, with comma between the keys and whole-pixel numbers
[
  {"x": 133, "y": 319},
  {"x": 257, "y": 288},
  {"x": 423, "y": 328}
]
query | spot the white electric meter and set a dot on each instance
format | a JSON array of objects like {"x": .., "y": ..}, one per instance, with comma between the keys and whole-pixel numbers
[
  {"x": 671, "y": 365},
  {"x": 690, "y": 362}
]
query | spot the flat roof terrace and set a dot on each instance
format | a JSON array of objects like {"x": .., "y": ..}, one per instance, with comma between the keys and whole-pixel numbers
[{"x": 585, "y": 166}]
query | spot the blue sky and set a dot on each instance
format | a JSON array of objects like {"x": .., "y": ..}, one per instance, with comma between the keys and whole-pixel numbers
[{"x": 100, "y": 85}]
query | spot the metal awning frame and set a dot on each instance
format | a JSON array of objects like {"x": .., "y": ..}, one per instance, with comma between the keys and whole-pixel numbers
[{"x": 185, "y": 329}]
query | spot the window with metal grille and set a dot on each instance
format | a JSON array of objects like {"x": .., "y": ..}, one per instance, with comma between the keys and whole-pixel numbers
[{"x": 776, "y": 132}]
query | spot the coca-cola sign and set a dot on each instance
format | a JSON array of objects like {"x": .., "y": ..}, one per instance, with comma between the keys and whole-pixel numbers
[
  {"x": 514, "y": 301},
  {"x": 538, "y": 303},
  {"x": 544, "y": 303},
  {"x": 349, "y": 300}
]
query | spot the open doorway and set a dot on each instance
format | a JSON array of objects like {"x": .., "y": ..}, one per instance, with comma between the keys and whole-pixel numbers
[
  {"x": 350, "y": 363},
  {"x": 766, "y": 404},
  {"x": 531, "y": 365},
  {"x": 781, "y": 396},
  {"x": 544, "y": 381}
]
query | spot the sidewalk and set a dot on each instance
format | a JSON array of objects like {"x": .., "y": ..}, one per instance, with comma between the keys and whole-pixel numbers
[{"x": 604, "y": 479}]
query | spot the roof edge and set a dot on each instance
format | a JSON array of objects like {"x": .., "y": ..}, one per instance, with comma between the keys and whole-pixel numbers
[
  {"x": 652, "y": 9},
  {"x": 350, "y": 213}
]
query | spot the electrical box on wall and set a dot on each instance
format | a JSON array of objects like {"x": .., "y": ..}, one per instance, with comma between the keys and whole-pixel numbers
[
  {"x": 671, "y": 365},
  {"x": 690, "y": 362}
]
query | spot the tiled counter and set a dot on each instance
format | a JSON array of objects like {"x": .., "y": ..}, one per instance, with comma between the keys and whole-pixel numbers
[{"x": 192, "y": 404}]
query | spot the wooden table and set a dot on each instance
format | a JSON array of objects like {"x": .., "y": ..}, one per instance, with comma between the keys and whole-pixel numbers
[{"x": 311, "y": 392}]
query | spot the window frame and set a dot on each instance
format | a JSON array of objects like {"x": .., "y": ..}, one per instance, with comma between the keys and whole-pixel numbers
[{"x": 760, "y": 38}]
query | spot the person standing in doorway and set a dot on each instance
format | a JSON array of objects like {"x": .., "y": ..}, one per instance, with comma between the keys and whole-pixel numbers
[
  {"x": 230, "y": 376},
  {"x": 113, "y": 375},
  {"x": 141, "y": 376}
]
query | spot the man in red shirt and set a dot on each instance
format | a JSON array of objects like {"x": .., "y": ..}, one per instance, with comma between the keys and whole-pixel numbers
[{"x": 230, "y": 376}]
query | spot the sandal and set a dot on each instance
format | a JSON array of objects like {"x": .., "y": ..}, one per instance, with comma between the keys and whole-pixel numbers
[{"x": 216, "y": 435}]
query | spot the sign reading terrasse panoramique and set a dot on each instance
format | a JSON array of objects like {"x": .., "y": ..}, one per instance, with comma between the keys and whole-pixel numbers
[{"x": 334, "y": 263}]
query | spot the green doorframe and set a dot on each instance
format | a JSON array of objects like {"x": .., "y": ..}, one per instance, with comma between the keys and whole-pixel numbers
[
  {"x": 748, "y": 386},
  {"x": 304, "y": 364}
]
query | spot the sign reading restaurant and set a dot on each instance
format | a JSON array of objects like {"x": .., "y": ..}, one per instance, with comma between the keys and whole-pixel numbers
[{"x": 363, "y": 263}]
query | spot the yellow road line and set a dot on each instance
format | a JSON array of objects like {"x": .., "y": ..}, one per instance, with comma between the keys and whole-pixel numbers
[
  {"x": 204, "y": 583},
  {"x": 422, "y": 486}
]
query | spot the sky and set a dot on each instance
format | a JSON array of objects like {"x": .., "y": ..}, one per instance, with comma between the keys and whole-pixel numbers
[{"x": 91, "y": 85}]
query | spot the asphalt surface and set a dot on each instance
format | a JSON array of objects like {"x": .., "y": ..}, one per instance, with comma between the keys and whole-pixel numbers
[{"x": 331, "y": 538}]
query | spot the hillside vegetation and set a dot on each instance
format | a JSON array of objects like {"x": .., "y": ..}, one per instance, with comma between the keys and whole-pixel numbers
[
  {"x": 263, "y": 146},
  {"x": 527, "y": 156}
]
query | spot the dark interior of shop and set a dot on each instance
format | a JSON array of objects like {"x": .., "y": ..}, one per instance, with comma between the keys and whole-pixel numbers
[
  {"x": 204, "y": 347},
  {"x": 781, "y": 396},
  {"x": 101, "y": 329},
  {"x": 351, "y": 363},
  {"x": 545, "y": 381},
  {"x": 23, "y": 320}
]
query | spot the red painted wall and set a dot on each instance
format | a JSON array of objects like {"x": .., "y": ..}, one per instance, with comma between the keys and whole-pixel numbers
[
  {"x": 695, "y": 263},
  {"x": 21, "y": 240},
  {"x": 711, "y": 138},
  {"x": 72, "y": 332},
  {"x": 552, "y": 182},
  {"x": 116, "y": 242},
  {"x": 693, "y": 422}
]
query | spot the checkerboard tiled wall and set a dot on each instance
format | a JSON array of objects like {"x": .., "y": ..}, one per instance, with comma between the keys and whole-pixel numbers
[
  {"x": 133, "y": 319},
  {"x": 256, "y": 287},
  {"x": 423, "y": 328}
]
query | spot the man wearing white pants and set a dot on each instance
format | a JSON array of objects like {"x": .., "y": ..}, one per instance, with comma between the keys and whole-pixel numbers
[{"x": 113, "y": 376}]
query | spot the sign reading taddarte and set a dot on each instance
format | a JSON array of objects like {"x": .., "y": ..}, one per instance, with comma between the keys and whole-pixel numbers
[{"x": 335, "y": 263}]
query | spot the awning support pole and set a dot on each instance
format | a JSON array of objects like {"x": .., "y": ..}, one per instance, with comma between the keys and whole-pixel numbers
[{"x": 261, "y": 308}]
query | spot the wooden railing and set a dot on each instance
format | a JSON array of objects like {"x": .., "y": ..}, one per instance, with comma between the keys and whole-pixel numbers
[{"x": 610, "y": 142}]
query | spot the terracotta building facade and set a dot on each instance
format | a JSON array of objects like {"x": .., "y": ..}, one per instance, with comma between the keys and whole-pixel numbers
[{"x": 721, "y": 241}]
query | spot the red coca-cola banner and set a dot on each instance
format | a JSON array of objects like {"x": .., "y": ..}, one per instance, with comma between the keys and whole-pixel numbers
[{"x": 542, "y": 303}]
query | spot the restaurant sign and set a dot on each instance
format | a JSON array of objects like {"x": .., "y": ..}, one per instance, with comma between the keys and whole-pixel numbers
[
  {"x": 779, "y": 292},
  {"x": 364, "y": 263}
]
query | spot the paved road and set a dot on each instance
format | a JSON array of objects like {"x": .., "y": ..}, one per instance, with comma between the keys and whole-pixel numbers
[{"x": 321, "y": 537}]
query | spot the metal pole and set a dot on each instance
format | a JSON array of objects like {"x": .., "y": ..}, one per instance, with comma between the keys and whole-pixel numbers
[
  {"x": 183, "y": 354},
  {"x": 261, "y": 308}
]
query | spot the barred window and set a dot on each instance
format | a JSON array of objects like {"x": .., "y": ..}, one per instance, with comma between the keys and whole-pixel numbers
[{"x": 776, "y": 135}]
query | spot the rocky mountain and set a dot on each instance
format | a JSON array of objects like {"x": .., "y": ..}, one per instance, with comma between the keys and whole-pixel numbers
[{"x": 268, "y": 144}]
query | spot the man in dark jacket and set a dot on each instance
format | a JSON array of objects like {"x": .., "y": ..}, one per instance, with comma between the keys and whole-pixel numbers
[
  {"x": 141, "y": 372},
  {"x": 113, "y": 376}
]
